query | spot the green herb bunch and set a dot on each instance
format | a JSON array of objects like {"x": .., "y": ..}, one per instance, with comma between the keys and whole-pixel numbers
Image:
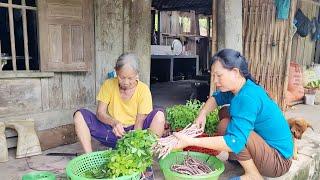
[
  {"x": 212, "y": 122},
  {"x": 133, "y": 154},
  {"x": 179, "y": 116}
]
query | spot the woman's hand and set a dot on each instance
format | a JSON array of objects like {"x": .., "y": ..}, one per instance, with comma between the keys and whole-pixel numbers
[
  {"x": 183, "y": 141},
  {"x": 201, "y": 121},
  {"x": 118, "y": 129}
]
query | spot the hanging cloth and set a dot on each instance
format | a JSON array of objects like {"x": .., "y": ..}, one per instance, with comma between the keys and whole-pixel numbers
[
  {"x": 283, "y": 7},
  {"x": 302, "y": 23}
]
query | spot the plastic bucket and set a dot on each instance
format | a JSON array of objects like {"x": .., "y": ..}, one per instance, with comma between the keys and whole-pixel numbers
[{"x": 309, "y": 99}]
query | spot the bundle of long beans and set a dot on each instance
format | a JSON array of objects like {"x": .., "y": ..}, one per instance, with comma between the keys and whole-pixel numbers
[
  {"x": 192, "y": 167},
  {"x": 165, "y": 145}
]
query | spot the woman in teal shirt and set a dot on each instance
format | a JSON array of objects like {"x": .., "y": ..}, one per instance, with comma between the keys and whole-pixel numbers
[{"x": 253, "y": 129}]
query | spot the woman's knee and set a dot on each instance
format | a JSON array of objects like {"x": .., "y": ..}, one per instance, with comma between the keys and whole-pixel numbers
[
  {"x": 78, "y": 118},
  {"x": 224, "y": 113},
  {"x": 159, "y": 117}
]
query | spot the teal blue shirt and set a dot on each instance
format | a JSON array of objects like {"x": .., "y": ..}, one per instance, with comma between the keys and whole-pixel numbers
[{"x": 251, "y": 109}]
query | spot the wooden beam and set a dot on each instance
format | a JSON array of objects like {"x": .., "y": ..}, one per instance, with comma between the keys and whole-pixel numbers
[
  {"x": 25, "y": 74},
  {"x": 17, "y": 6},
  {"x": 62, "y": 135},
  {"x": 12, "y": 38},
  {"x": 25, "y": 35}
]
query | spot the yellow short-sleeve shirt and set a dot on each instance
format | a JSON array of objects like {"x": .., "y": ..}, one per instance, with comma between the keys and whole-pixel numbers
[{"x": 125, "y": 111}]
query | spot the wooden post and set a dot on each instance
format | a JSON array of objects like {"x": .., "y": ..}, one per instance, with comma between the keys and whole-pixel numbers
[
  {"x": 0, "y": 57},
  {"x": 25, "y": 35},
  {"x": 214, "y": 45},
  {"x": 209, "y": 42},
  {"x": 12, "y": 38}
]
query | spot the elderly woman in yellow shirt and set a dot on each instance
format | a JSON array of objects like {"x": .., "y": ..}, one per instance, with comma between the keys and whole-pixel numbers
[{"x": 124, "y": 103}]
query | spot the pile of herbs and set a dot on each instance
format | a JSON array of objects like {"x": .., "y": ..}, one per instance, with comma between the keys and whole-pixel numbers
[
  {"x": 179, "y": 116},
  {"x": 132, "y": 154}
]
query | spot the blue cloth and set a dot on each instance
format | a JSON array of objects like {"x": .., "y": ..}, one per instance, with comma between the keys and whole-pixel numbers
[
  {"x": 251, "y": 109},
  {"x": 235, "y": 178},
  {"x": 283, "y": 7}
]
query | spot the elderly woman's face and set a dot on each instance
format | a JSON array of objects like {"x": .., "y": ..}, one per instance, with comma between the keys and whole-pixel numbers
[
  {"x": 224, "y": 79},
  {"x": 127, "y": 77}
]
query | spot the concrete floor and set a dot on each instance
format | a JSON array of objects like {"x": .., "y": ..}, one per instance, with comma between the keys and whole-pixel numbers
[
  {"x": 15, "y": 168},
  {"x": 170, "y": 93}
]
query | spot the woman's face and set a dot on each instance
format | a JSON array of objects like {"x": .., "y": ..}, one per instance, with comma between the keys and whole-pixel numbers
[
  {"x": 127, "y": 77},
  {"x": 224, "y": 79}
]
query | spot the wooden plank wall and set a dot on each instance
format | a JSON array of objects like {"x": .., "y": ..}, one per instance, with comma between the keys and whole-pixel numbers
[
  {"x": 303, "y": 48},
  {"x": 122, "y": 26},
  {"x": 267, "y": 45},
  {"x": 34, "y": 95},
  {"x": 108, "y": 36},
  {"x": 51, "y": 101}
]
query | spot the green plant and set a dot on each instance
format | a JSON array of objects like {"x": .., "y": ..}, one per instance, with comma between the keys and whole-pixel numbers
[
  {"x": 313, "y": 84},
  {"x": 133, "y": 153},
  {"x": 212, "y": 122},
  {"x": 179, "y": 116}
]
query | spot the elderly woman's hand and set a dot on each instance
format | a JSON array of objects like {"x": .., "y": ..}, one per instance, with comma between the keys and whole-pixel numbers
[
  {"x": 118, "y": 129},
  {"x": 183, "y": 141}
]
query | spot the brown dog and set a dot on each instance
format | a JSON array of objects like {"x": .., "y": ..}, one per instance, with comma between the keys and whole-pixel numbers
[{"x": 297, "y": 127}]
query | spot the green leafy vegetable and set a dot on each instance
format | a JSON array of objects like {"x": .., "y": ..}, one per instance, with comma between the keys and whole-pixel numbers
[
  {"x": 133, "y": 154},
  {"x": 179, "y": 116}
]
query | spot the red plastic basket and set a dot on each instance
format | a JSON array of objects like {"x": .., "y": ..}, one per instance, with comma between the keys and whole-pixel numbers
[{"x": 201, "y": 149}]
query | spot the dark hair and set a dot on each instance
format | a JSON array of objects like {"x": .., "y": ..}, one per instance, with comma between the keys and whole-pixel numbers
[{"x": 230, "y": 59}]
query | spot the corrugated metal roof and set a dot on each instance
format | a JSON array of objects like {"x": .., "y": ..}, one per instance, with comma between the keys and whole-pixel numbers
[{"x": 200, "y": 6}]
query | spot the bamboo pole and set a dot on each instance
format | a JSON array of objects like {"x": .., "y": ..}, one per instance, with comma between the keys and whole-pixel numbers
[
  {"x": 247, "y": 28},
  {"x": 288, "y": 58},
  {"x": 263, "y": 45},
  {"x": 270, "y": 74},
  {"x": 260, "y": 43},
  {"x": 253, "y": 48},
  {"x": 274, "y": 54},
  {"x": 257, "y": 44},
  {"x": 25, "y": 35},
  {"x": 281, "y": 61},
  {"x": 12, "y": 38}
]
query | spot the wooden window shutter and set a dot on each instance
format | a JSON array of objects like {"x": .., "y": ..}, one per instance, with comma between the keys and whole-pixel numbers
[{"x": 66, "y": 35}]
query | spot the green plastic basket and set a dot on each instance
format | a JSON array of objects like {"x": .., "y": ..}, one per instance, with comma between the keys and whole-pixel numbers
[
  {"x": 39, "y": 175},
  {"x": 178, "y": 158},
  {"x": 79, "y": 165}
]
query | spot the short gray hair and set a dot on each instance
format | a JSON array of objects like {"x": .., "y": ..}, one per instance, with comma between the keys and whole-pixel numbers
[{"x": 128, "y": 59}]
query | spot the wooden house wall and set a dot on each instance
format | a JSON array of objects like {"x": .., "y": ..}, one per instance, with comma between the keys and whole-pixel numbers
[
  {"x": 120, "y": 26},
  {"x": 303, "y": 48}
]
